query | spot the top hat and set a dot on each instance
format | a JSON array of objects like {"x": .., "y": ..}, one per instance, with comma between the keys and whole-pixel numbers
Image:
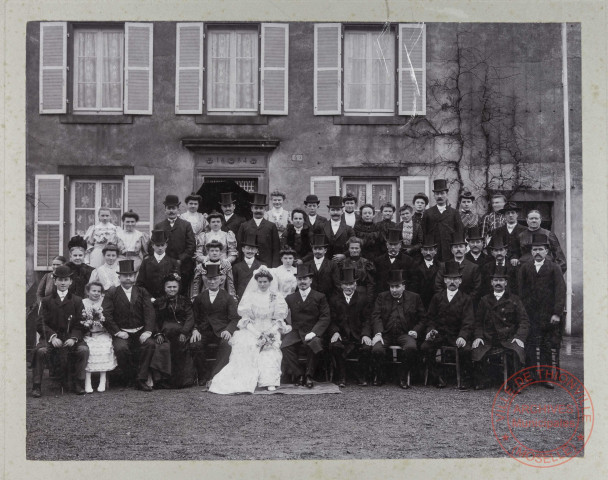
[
  {"x": 158, "y": 236},
  {"x": 509, "y": 207},
  {"x": 259, "y": 199},
  {"x": 250, "y": 240},
  {"x": 226, "y": 198},
  {"x": 497, "y": 242},
  {"x": 304, "y": 270},
  {"x": 452, "y": 269},
  {"x": 126, "y": 267},
  {"x": 213, "y": 270},
  {"x": 350, "y": 196},
  {"x": 473, "y": 233},
  {"x": 193, "y": 196},
  {"x": 335, "y": 202},
  {"x": 458, "y": 239},
  {"x": 395, "y": 277},
  {"x": 394, "y": 236},
  {"x": 130, "y": 214},
  {"x": 172, "y": 201},
  {"x": 466, "y": 195},
  {"x": 428, "y": 243},
  {"x": 539, "y": 239},
  {"x": 347, "y": 275},
  {"x": 440, "y": 185},
  {"x": 63, "y": 271},
  {"x": 110, "y": 247},
  {"x": 421, "y": 196},
  {"x": 319, "y": 240},
  {"x": 77, "y": 241},
  {"x": 311, "y": 199},
  {"x": 500, "y": 271}
]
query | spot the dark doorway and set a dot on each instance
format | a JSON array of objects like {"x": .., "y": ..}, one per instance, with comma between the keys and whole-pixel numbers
[{"x": 211, "y": 189}]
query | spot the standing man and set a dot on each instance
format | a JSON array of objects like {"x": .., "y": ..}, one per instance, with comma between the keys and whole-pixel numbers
[
  {"x": 269, "y": 244},
  {"x": 420, "y": 202},
  {"x": 157, "y": 266},
  {"x": 131, "y": 320},
  {"x": 543, "y": 292},
  {"x": 350, "y": 216},
  {"x": 427, "y": 269},
  {"x": 324, "y": 271},
  {"x": 493, "y": 220},
  {"x": 243, "y": 271},
  {"x": 441, "y": 222},
  {"x": 181, "y": 243},
  {"x": 336, "y": 231},
  {"x": 314, "y": 221},
  {"x": 310, "y": 318},
  {"x": 510, "y": 232},
  {"x": 231, "y": 221},
  {"x": 475, "y": 253},
  {"x": 394, "y": 259},
  {"x": 556, "y": 254},
  {"x": 469, "y": 218}
]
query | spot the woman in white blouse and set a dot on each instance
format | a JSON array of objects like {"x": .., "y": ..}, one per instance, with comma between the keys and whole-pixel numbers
[
  {"x": 133, "y": 243},
  {"x": 277, "y": 214},
  {"x": 197, "y": 220},
  {"x": 227, "y": 239}
]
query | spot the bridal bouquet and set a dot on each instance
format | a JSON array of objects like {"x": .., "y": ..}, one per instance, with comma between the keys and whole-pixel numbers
[
  {"x": 93, "y": 316},
  {"x": 266, "y": 340}
]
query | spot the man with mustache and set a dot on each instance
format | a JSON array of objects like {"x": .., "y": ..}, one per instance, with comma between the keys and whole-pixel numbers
[
  {"x": 269, "y": 243},
  {"x": 556, "y": 254}
]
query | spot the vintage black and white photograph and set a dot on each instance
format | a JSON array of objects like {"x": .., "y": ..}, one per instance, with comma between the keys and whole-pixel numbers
[{"x": 283, "y": 240}]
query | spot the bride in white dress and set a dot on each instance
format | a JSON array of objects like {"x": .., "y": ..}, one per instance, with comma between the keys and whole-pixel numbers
[{"x": 255, "y": 360}]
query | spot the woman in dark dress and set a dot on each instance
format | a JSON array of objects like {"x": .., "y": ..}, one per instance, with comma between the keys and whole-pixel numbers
[
  {"x": 369, "y": 233},
  {"x": 297, "y": 236},
  {"x": 81, "y": 271}
]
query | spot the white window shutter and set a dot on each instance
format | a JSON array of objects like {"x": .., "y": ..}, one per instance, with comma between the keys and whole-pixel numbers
[
  {"x": 324, "y": 187},
  {"x": 328, "y": 69},
  {"x": 189, "y": 68},
  {"x": 139, "y": 197},
  {"x": 48, "y": 224},
  {"x": 53, "y": 67},
  {"x": 412, "y": 69},
  {"x": 275, "y": 68},
  {"x": 410, "y": 186},
  {"x": 138, "y": 68}
]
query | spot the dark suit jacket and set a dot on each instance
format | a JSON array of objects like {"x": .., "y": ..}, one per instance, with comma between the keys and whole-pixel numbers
[
  {"x": 471, "y": 280},
  {"x": 217, "y": 316},
  {"x": 120, "y": 313},
  {"x": 483, "y": 258},
  {"x": 524, "y": 247},
  {"x": 326, "y": 279},
  {"x": 82, "y": 274},
  {"x": 337, "y": 242},
  {"x": 241, "y": 275},
  {"x": 426, "y": 278},
  {"x": 300, "y": 243},
  {"x": 440, "y": 228},
  {"x": 269, "y": 244},
  {"x": 357, "y": 216},
  {"x": 151, "y": 273},
  {"x": 488, "y": 269},
  {"x": 181, "y": 243},
  {"x": 351, "y": 320},
  {"x": 313, "y": 315},
  {"x": 233, "y": 224},
  {"x": 511, "y": 240},
  {"x": 402, "y": 262},
  {"x": 319, "y": 222},
  {"x": 414, "y": 314},
  {"x": 60, "y": 318},
  {"x": 365, "y": 273},
  {"x": 451, "y": 319}
]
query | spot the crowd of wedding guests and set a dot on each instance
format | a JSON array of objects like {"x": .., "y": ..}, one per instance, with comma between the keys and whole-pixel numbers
[{"x": 232, "y": 305}]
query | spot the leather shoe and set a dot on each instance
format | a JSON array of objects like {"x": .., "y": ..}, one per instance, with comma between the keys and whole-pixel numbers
[
  {"x": 309, "y": 383},
  {"x": 36, "y": 392},
  {"x": 403, "y": 384},
  {"x": 142, "y": 385},
  {"x": 441, "y": 382},
  {"x": 549, "y": 385},
  {"x": 362, "y": 383},
  {"x": 300, "y": 381},
  {"x": 79, "y": 387},
  {"x": 378, "y": 382},
  {"x": 342, "y": 383}
]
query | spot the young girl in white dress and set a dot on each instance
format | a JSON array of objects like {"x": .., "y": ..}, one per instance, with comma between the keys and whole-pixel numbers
[
  {"x": 99, "y": 341},
  {"x": 107, "y": 274}
]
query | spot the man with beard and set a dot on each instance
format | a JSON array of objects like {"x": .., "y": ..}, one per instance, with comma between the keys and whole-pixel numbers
[{"x": 266, "y": 233}]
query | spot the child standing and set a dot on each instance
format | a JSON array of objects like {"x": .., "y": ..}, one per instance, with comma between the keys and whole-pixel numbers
[{"x": 99, "y": 341}]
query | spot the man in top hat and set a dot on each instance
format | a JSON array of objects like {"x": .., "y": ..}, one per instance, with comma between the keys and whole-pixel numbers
[
  {"x": 498, "y": 252},
  {"x": 420, "y": 202},
  {"x": 510, "y": 231},
  {"x": 441, "y": 222},
  {"x": 543, "y": 292},
  {"x": 450, "y": 322},
  {"x": 476, "y": 254},
  {"x": 501, "y": 321},
  {"x": 395, "y": 259},
  {"x": 336, "y": 231},
  {"x": 215, "y": 320},
  {"x": 157, "y": 266},
  {"x": 310, "y": 318},
  {"x": 269, "y": 243},
  {"x": 469, "y": 273},
  {"x": 243, "y": 271},
  {"x": 131, "y": 320},
  {"x": 231, "y": 220},
  {"x": 493, "y": 220},
  {"x": 398, "y": 319},
  {"x": 350, "y": 329},
  {"x": 556, "y": 254},
  {"x": 181, "y": 242},
  {"x": 61, "y": 333},
  {"x": 325, "y": 272},
  {"x": 427, "y": 268},
  {"x": 350, "y": 216},
  {"x": 365, "y": 271},
  {"x": 313, "y": 220},
  {"x": 469, "y": 218}
]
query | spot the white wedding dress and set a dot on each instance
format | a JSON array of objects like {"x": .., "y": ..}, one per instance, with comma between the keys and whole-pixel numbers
[{"x": 255, "y": 359}]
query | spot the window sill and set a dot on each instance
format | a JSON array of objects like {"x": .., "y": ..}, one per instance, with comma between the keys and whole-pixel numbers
[
  {"x": 365, "y": 120},
  {"x": 96, "y": 119},
  {"x": 231, "y": 119}
]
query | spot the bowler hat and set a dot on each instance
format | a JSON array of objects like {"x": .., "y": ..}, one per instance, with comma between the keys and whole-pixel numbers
[
  {"x": 440, "y": 185},
  {"x": 428, "y": 243},
  {"x": 458, "y": 239},
  {"x": 126, "y": 267},
  {"x": 466, "y": 195},
  {"x": 335, "y": 202},
  {"x": 394, "y": 236},
  {"x": 452, "y": 269},
  {"x": 259, "y": 199},
  {"x": 319, "y": 240},
  {"x": 497, "y": 242},
  {"x": 63, "y": 271},
  {"x": 539, "y": 239},
  {"x": 130, "y": 214},
  {"x": 195, "y": 197},
  {"x": 226, "y": 198},
  {"x": 473, "y": 233},
  {"x": 509, "y": 207},
  {"x": 500, "y": 271},
  {"x": 311, "y": 199},
  {"x": 347, "y": 275},
  {"x": 77, "y": 241},
  {"x": 158, "y": 237},
  {"x": 110, "y": 247},
  {"x": 250, "y": 240},
  {"x": 213, "y": 270},
  {"x": 304, "y": 270},
  {"x": 421, "y": 196},
  {"x": 395, "y": 277},
  {"x": 172, "y": 201}
]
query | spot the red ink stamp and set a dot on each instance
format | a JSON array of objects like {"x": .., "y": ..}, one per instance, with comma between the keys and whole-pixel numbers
[{"x": 538, "y": 427}]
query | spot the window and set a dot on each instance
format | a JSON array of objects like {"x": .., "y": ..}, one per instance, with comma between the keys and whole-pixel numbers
[
  {"x": 246, "y": 69},
  {"x": 377, "y": 71},
  {"x": 88, "y": 196}
]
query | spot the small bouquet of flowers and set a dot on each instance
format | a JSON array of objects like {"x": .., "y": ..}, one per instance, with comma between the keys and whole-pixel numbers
[
  {"x": 266, "y": 340},
  {"x": 92, "y": 316}
]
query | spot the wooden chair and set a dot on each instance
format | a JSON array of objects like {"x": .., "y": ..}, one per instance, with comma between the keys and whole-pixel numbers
[
  {"x": 443, "y": 351},
  {"x": 395, "y": 360}
]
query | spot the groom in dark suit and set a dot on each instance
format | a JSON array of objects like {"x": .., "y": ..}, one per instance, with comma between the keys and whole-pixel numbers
[{"x": 269, "y": 244}]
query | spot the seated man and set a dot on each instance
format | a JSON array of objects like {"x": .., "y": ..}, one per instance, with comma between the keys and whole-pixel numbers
[
  {"x": 214, "y": 253},
  {"x": 350, "y": 328},
  {"x": 501, "y": 321},
  {"x": 310, "y": 318},
  {"x": 131, "y": 320},
  {"x": 395, "y": 259},
  {"x": 61, "y": 333},
  {"x": 215, "y": 320},
  {"x": 450, "y": 323},
  {"x": 155, "y": 267},
  {"x": 498, "y": 251},
  {"x": 398, "y": 318}
]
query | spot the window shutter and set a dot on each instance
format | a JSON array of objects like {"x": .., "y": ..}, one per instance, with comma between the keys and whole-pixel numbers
[
  {"x": 53, "y": 67},
  {"x": 139, "y": 197},
  {"x": 275, "y": 68},
  {"x": 48, "y": 215},
  {"x": 189, "y": 68},
  {"x": 328, "y": 69},
  {"x": 138, "y": 68},
  {"x": 410, "y": 186},
  {"x": 324, "y": 187},
  {"x": 412, "y": 69}
]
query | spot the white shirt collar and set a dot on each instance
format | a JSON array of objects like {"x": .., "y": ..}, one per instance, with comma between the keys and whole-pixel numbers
[
  {"x": 312, "y": 218},
  {"x": 298, "y": 230},
  {"x": 348, "y": 297},
  {"x": 304, "y": 293},
  {"x": 499, "y": 295},
  {"x": 451, "y": 294},
  {"x": 510, "y": 228},
  {"x": 212, "y": 295},
  {"x": 442, "y": 209},
  {"x": 476, "y": 256},
  {"x": 538, "y": 264},
  {"x": 159, "y": 257},
  {"x": 228, "y": 217},
  {"x": 392, "y": 259},
  {"x": 127, "y": 292},
  {"x": 318, "y": 261},
  {"x": 428, "y": 264},
  {"x": 249, "y": 261},
  {"x": 459, "y": 262},
  {"x": 62, "y": 295},
  {"x": 258, "y": 221}
]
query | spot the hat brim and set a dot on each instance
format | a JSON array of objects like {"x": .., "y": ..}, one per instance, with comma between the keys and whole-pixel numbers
[
  {"x": 335, "y": 206},
  {"x": 539, "y": 245},
  {"x": 249, "y": 244},
  {"x": 394, "y": 282},
  {"x": 126, "y": 273},
  {"x": 213, "y": 276},
  {"x": 172, "y": 204},
  {"x": 441, "y": 190},
  {"x": 499, "y": 275},
  {"x": 434, "y": 245},
  {"x": 258, "y": 204},
  {"x": 474, "y": 238},
  {"x": 452, "y": 275},
  {"x": 304, "y": 275}
]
